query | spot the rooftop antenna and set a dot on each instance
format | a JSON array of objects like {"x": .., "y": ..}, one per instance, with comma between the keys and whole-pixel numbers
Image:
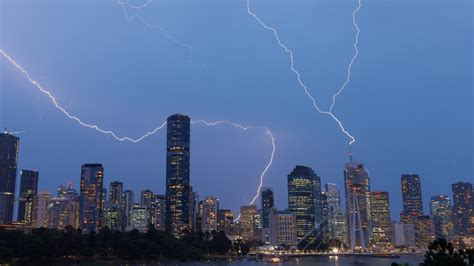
[{"x": 350, "y": 153}]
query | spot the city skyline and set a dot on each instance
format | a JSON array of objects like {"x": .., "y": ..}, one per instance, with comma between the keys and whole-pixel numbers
[{"x": 43, "y": 122}]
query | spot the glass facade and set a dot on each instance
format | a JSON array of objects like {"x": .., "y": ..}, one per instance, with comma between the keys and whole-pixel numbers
[
  {"x": 463, "y": 209},
  {"x": 9, "y": 146},
  {"x": 440, "y": 207},
  {"x": 177, "y": 174},
  {"x": 28, "y": 189},
  {"x": 91, "y": 197},
  {"x": 304, "y": 190}
]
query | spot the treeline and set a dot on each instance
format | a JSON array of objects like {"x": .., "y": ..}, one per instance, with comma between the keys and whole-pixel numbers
[{"x": 70, "y": 244}]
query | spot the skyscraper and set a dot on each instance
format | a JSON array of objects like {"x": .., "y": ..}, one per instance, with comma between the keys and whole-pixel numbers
[
  {"x": 40, "y": 210},
  {"x": 440, "y": 207},
  {"x": 210, "y": 206},
  {"x": 336, "y": 220},
  {"x": 247, "y": 222},
  {"x": 91, "y": 204},
  {"x": 268, "y": 202},
  {"x": 357, "y": 188},
  {"x": 177, "y": 174},
  {"x": 9, "y": 146},
  {"x": 128, "y": 203},
  {"x": 412, "y": 200},
  {"x": 116, "y": 192},
  {"x": 304, "y": 189},
  {"x": 28, "y": 189},
  {"x": 380, "y": 208},
  {"x": 463, "y": 209},
  {"x": 112, "y": 216}
]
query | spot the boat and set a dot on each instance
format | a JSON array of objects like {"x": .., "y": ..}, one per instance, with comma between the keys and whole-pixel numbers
[{"x": 274, "y": 260}]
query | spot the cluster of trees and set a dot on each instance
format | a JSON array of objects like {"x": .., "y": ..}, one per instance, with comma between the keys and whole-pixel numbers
[
  {"x": 441, "y": 253},
  {"x": 45, "y": 244}
]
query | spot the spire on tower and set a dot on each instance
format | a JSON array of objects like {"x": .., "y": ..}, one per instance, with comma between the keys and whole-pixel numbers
[{"x": 350, "y": 153}]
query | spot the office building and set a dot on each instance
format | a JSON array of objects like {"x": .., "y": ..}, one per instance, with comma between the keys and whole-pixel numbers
[
  {"x": 9, "y": 146},
  {"x": 28, "y": 190},
  {"x": 440, "y": 209},
  {"x": 463, "y": 209},
  {"x": 381, "y": 225},
  {"x": 90, "y": 199},
  {"x": 304, "y": 200},
  {"x": 210, "y": 206},
  {"x": 178, "y": 190}
]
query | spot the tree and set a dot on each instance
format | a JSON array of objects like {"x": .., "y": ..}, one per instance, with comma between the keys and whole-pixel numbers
[{"x": 440, "y": 252}]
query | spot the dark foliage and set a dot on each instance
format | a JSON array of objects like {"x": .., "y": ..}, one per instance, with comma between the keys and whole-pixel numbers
[
  {"x": 441, "y": 253},
  {"x": 70, "y": 244}
]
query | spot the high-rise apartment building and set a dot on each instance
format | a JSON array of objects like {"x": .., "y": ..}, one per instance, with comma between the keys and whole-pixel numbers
[
  {"x": 178, "y": 190},
  {"x": 210, "y": 206},
  {"x": 9, "y": 146},
  {"x": 28, "y": 190},
  {"x": 90, "y": 199}
]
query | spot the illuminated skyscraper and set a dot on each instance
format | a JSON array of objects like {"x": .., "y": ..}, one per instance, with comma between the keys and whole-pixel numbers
[
  {"x": 147, "y": 198},
  {"x": 116, "y": 192},
  {"x": 177, "y": 174},
  {"x": 440, "y": 207},
  {"x": 9, "y": 146},
  {"x": 412, "y": 200},
  {"x": 90, "y": 200},
  {"x": 40, "y": 210},
  {"x": 380, "y": 214},
  {"x": 304, "y": 190},
  {"x": 210, "y": 206},
  {"x": 247, "y": 221},
  {"x": 357, "y": 187},
  {"x": 138, "y": 218},
  {"x": 28, "y": 189},
  {"x": 159, "y": 212},
  {"x": 112, "y": 216},
  {"x": 268, "y": 202},
  {"x": 463, "y": 209}
]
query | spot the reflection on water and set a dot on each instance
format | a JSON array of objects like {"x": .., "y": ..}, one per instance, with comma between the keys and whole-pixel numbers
[{"x": 303, "y": 261}]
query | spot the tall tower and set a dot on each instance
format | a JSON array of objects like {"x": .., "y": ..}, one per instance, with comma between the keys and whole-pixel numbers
[
  {"x": 177, "y": 174},
  {"x": 463, "y": 208},
  {"x": 357, "y": 188},
  {"x": 268, "y": 203},
  {"x": 304, "y": 191},
  {"x": 28, "y": 189},
  {"x": 116, "y": 192},
  {"x": 412, "y": 200},
  {"x": 9, "y": 146},
  {"x": 90, "y": 199},
  {"x": 440, "y": 209},
  {"x": 380, "y": 208}
]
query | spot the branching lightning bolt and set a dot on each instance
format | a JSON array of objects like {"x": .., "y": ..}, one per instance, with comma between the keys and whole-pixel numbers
[
  {"x": 125, "y": 5},
  {"x": 135, "y": 140},
  {"x": 298, "y": 75}
]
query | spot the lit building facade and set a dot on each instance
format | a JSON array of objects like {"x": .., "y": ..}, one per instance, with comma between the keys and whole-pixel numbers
[
  {"x": 210, "y": 206},
  {"x": 380, "y": 214},
  {"x": 358, "y": 209},
  {"x": 9, "y": 147},
  {"x": 284, "y": 226},
  {"x": 225, "y": 221},
  {"x": 177, "y": 174},
  {"x": 128, "y": 203},
  {"x": 463, "y": 209},
  {"x": 336, "y": 220},
  {"x": 424, "y": 231},
  {"x": 90, "y": 199},
  {"x": 40, "y": 210},
  {"x": 440, "y": 208},
  {"x": 304, "y": 190},
  {"x": 138, "y": 219},
  {"x": 116, "y": 192},
  {"x": 411, "y": 198},
  {"x": 159, "y": 212},
  {"x": 247, "y": 222},
  {"x": 112, "y": 216},
  {"x": 28, "y": 190}
]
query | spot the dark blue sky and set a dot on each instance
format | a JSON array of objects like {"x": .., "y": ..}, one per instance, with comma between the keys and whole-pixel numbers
[{"x": 409, "y": 104}]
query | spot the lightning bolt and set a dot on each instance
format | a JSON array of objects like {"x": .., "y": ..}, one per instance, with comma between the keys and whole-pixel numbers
[
  {"x": 298, "y": 75},
  {"x": 165, "y": 33},
  {"x": 135, "y": 140}
]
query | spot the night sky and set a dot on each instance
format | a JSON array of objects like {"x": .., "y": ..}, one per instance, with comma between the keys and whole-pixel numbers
[{"x": 409, "y": 103}]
